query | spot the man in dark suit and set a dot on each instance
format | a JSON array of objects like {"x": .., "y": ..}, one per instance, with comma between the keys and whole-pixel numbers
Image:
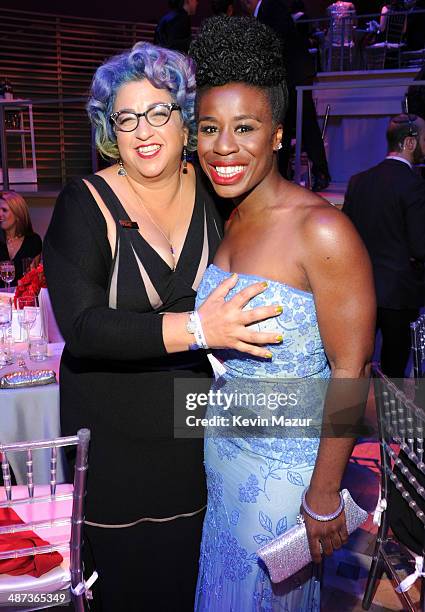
[
  {"x": 301, "y": 71},
  {"x": 174, "y": 31},
  {"x": 387, "y": 205}
]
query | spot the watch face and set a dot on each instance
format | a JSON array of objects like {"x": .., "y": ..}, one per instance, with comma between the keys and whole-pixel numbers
[{"x": 191, "y": 325}]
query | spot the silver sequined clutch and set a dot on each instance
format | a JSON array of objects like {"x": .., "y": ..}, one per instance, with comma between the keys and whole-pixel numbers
[
  {"x": 290, "y": 552},
  {"x": 27, "y": 378}
]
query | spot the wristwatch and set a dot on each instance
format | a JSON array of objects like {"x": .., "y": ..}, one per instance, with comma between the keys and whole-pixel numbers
[{"x": 191, "y": 329}]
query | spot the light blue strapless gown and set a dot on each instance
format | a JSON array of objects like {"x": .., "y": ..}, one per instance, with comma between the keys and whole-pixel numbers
[{"x": 255, "y": 484}]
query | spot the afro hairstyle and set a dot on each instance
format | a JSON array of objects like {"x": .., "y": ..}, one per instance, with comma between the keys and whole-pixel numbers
[{"x": 241, "y": 50}]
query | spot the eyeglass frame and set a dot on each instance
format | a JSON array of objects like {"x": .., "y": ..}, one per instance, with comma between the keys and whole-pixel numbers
[{"x": 172, "y": 106}]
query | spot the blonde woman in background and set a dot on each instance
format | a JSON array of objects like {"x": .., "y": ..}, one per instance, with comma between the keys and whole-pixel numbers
[{"x": 19, "y": 241}]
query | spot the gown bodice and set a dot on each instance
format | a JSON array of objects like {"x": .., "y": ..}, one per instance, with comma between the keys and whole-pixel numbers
[{"x": 300, "y": 355}]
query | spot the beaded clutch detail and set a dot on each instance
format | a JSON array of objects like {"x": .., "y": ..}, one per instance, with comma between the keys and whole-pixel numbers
[
  {"x": 27, "y": 378},
  {"x": 290, "y": 552}
]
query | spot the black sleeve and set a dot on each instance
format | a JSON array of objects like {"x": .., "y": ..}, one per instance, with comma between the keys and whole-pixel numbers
[
  {"x": 77, "y": 262},
  {"x": 33, "y": 246},
  {"x": 415, "y": 220},
  {"x": 4, "y": 254}
]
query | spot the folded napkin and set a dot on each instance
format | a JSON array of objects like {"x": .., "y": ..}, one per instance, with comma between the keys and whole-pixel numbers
[{"x": 35, "y": 565}]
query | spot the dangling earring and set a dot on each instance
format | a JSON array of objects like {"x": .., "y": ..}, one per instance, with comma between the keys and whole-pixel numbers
[
  {"x": 121, "y": 171},
  {"x": 184, "y": 160}
]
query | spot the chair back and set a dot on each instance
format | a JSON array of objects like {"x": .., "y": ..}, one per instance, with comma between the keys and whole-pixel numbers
[
  {"x": 63, "y": 521},
  {"x": 340, "y": 36},
  {"x": 417, "y": 334},
  {"x": 342, "y": 20},
  {"x": 401, "y": 427},
  {"x": 395, "y": 27}
]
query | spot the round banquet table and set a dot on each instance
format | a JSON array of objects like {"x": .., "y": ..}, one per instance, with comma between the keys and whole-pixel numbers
[{"x": 32, "y": 413}]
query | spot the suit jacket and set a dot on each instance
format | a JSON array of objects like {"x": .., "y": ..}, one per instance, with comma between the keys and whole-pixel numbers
[
  {"x": 387, "y": 205},
  {"x": 173, "y": 31},
  {"x": 299, "y": 62}
]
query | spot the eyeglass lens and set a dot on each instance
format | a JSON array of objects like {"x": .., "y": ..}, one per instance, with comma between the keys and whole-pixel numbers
[{"x": 156, "y": 116}]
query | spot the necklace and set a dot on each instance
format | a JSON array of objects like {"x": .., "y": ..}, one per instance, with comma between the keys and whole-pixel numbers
[
  {"x": 13, "y": 239},
  {"x": 152, "y": 220}
]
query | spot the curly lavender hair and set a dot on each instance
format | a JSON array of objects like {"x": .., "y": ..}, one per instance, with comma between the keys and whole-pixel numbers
[{"x": 163, "y": 68}]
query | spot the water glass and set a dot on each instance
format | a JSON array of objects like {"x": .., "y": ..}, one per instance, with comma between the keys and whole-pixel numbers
[
  {"x": 26, "y": 264},
  {"x": 27, "y": 308},
  {"x": 7, "y": 352},
  {"x": 5, "y": 322},
  {"x": 7, "y": 272},
  {"x": 37, "y": 348}
]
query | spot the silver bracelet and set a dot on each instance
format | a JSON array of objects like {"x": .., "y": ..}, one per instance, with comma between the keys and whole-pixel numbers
[
  {"x": 322, "y": 517},
  {"x": 191, "y": 329}
]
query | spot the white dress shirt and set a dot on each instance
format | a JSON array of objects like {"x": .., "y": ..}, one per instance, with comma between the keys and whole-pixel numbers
[{"x": 402, "y": 159}]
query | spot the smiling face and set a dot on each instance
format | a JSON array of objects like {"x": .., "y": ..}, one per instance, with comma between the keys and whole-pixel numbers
[
  {"x": 149, "y": 151},
  {"x": 236, "y": 138},
  {"x": 7, "y": 218}
]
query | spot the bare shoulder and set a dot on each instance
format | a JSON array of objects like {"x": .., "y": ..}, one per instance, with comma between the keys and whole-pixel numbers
[
  {"x": 327, "y": 239},
  {"x": 328, "y": 231},
  {"x": 108, "y": 173},
  {"x": 316, "y": 217}
]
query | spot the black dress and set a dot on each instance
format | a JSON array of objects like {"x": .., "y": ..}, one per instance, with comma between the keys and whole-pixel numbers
[
  {"x": 31, "y": 247},
  {"x": 117, "y": 379}
]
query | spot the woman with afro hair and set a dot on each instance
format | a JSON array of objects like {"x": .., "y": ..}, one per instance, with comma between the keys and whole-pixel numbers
[{"x": 315, "y": 266}]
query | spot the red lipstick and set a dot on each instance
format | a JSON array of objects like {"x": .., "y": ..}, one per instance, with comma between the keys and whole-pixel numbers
[
  {"x": 230, "y": 179},
  {"x": 150, "y": 155}
]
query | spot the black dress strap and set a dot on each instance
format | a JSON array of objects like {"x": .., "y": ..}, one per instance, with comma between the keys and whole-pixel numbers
[{"x": 109, "y": 198}]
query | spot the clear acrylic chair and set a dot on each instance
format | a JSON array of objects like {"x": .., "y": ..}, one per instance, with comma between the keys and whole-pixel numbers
[
  {"x": 401, "y": 426},
  {"x": 417, "y": 334},
  {"x": 340, "y": 38},
  {"x": 387, "y": 54},
  {"x": 55, "y": 512}
]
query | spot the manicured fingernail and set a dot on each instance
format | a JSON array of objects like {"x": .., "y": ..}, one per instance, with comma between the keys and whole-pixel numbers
[
  {"x": 278, "y": 310},
  {"x": 265, "y": 284},
  {"x": 268, "y": 355},
  {"x": 234, "y": 275},
  {"x": 279, "y": 338}
]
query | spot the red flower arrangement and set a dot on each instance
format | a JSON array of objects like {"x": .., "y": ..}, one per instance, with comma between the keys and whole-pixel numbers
[{"x": 31, "y": 283}]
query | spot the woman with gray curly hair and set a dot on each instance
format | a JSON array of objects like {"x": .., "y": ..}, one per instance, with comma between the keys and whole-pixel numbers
[{"x": 124, "y": 255}]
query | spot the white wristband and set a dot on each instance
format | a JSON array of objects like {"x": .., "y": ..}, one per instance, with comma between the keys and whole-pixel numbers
[{"x": 199, "y": 332}]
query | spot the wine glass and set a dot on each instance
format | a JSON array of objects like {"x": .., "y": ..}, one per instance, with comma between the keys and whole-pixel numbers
[
  {"x": 5, "y": 322},
  {"x": 27, "y": 309},
  {"x": 7, "y": 272}
]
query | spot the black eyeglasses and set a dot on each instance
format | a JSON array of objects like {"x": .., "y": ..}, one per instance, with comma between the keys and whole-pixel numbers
[{"x": 156, "y": 115}]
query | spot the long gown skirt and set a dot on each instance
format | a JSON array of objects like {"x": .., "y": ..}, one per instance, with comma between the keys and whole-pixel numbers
[{"x": 254, "y": 489}]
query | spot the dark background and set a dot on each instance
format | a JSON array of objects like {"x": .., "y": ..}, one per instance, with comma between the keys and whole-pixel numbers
[{"x": 151, "y": 10}]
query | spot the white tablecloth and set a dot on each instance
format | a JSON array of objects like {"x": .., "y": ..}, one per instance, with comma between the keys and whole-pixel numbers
[{"x": 32, "y": 413}]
